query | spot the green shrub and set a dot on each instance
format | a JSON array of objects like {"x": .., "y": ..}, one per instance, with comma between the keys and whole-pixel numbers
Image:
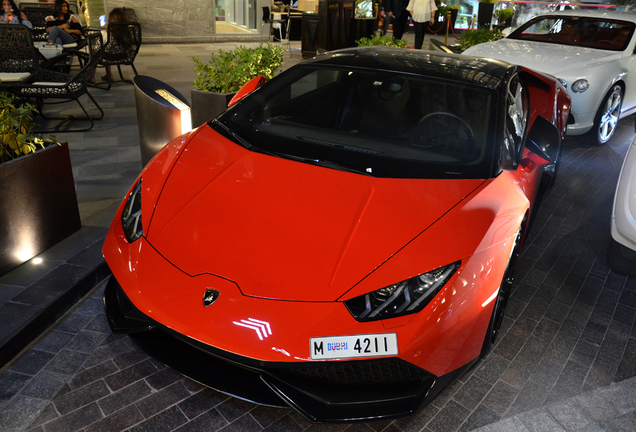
[
  {"x": 475, "y": 37},
  {"x": 385, "y": 40},
  {"x": 16, "y": 129},
  {"x": 228, "y": 71},
  {"x": 504, "y": 14}
]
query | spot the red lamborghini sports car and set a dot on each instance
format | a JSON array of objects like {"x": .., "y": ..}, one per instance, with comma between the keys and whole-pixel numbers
[{"x": 342, "y": 239}]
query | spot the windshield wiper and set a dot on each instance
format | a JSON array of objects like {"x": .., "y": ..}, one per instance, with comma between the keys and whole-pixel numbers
[
  {"x": 328, "y": 164},
  {"x": 242, "y": 142}
]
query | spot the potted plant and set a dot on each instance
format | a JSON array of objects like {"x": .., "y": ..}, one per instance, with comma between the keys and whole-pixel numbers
[
  {"x": 38, "y": 205},
  {"x": 484, "y": 13},
  {"x": 217, "y": 81},
  {"x": 480, "y": 35},
  {"x": 504, "y": 17},
  {"x": 386, "y": 40}
]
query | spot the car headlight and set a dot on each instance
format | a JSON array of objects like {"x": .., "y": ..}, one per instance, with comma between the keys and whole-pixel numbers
[
  {"x": 579, "y": 86},
  {"x": 403, "y": 298},
  {"x": 131, "y": 216}
]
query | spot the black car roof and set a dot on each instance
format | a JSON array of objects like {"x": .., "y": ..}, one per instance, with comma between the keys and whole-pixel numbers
[{"x": 481, "y": 71}]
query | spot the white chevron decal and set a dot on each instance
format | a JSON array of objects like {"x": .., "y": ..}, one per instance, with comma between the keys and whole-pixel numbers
[{"x": 261, "y": 328}]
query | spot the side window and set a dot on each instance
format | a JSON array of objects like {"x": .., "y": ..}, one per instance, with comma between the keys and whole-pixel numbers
[{"x": 516, "y": 121}]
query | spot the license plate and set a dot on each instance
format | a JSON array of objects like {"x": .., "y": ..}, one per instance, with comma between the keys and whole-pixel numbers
[{"x": 354, "y": 346}]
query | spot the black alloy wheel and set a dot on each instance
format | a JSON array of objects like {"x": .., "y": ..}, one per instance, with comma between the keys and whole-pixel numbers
[{"x": 496, "y": 319}]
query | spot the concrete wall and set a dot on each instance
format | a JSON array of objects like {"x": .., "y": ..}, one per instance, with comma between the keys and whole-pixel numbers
[{"x": 174, "y": 21}]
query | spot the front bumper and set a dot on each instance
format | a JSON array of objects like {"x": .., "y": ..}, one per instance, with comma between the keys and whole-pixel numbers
[{"x": 326, "y": 391}]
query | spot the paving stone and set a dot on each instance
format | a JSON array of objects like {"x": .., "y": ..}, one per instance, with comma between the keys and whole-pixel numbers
[
  {"x": 81, "y": 397},
  {"x": 540, "y": 420},
  {"x": 76, "y": 420},
  {"x": 44, "y": 385},
  {"x": 162, "y": 399},
  {"x": 569, "y": 415},
  {"x": 165, "y": 421},
  {"x": 232, "y": 408},
  {"x": 129, "y": 375},
  {"x": 480, "y": 417},
  {"x": 246, "y": 423},
  {"x": 95, "y": 373},
  {"x": 54, "y": 342},
  {"x": 47, "y": 414},
  {"x": 449, "y": 419},
  {"x": 126, "y": 396},
  {"x": 118, "y": 421},
  {"x": 20, "y": 412},
  {"x": 201, "y": 402},
  {"x": 66, "y": 362},
  {"x": 163, "y": 378},
  {"x": 11, "y": 383}
]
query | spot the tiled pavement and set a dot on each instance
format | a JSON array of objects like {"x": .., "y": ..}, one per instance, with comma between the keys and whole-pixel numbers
[{"x": 566, "y": 359}]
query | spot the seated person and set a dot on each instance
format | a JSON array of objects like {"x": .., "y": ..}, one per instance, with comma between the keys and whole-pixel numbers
[
  {"x": 12, "y": 15},
  {"x": 63, "y": 27},
  {"x": 117, "y": 15}
]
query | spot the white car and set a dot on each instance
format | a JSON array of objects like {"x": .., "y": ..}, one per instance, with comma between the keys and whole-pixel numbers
[
  {"x": 622, "y": 256},
  {"x": 591, "y": 52}
]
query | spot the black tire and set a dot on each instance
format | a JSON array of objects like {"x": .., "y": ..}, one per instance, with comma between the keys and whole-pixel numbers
[
  {"x": 498, "y": 311},
  {"x": 607, "y": 116}
]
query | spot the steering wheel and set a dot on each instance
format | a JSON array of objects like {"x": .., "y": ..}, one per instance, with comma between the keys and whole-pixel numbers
[
  {"x": 605, "y": 43},
  {"x": 461, "y": 136}
]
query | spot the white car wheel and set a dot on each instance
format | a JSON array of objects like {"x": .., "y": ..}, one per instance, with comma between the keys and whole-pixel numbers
[{"x": 607, "y": 116}]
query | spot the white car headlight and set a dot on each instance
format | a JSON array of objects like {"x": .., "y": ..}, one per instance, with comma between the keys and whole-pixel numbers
[
  {"x": 579, "y": 86},
  {"x": 131, "y": 216},
  {"x": 403, "y": 298}
]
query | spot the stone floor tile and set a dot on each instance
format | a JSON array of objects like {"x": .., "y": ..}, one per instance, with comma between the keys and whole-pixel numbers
[
  {"x": 500, "y": 398},
  {"x": 75, "y": 420},
  {"x": 46, "y": 415},
  {"x": 491, "y": 368},
  {"x": 595, "y": 406},
  {"x": 201, "y": 402},
  {"x": 569, "y": 415},
  {"x": 471, "y": 393},
  {"x": 20, "y": 412},
  {"x": 44, "y": 385},
  {"x": 540, "y": 421},
  {"x": 129, "y": 375},
  {"x": 157, "y": 402},
  {"x": 416, "y": 422},
  {"x": 32, "y": 362},
  {"x": 165, "y": 421},
  {"x": 508, "y": 425},
  {"x": 66, "y": 362},
  {"x": 118, "y": 421},
  {"x": 54, "y": 342},
  {"x": 232, "y": 408},
  {"x": 86, "y": 341},
  {"x": 481, "y": 416},
  {"x": 126, "y": 396},
  {"x": 81, "y": 397},
  {"x": 246, "y": 423},
  {"x": 624, "y": 423},
  {"x": 163, "y": 378},
  {"x": 92, "y": 374},
  {"x": 622, "y": 397},
  {"x": 448, "y": 419}
]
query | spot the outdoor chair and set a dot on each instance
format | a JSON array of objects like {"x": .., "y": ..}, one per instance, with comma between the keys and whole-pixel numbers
[
  {"x": 46, "y": 84},
  {"x": 19, "y": 58},
  {"x": 120, "y": 48}
]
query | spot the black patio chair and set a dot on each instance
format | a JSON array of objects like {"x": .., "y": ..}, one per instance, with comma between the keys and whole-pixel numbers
[
  {"x": 120, "y": 48},
  {"x": 17, "y": 52},
  {"x": 47, "y": 84}
]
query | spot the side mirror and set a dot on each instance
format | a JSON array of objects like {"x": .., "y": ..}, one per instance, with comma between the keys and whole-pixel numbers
[
  {"x": 544, "y": 140},
  {"x": 247, "y": 88}
]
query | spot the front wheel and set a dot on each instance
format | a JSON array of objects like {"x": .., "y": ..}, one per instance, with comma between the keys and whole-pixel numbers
[
  {"x": 496, "y": 319},
  {"x": 607, "y": 116}
]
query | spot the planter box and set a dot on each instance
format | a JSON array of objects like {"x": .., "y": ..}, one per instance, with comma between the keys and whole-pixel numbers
[
  {"x": 207, "y": 105},
  {"x": 38, "y": 205}
]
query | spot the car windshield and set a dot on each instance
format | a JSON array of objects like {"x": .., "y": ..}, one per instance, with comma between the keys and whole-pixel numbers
[
  {"x": 374, "y": 122},
  {"x": 597, "y": 33}
]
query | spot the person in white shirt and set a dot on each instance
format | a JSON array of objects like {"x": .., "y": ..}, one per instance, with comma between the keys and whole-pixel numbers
[{"x": 423, "y": 13}]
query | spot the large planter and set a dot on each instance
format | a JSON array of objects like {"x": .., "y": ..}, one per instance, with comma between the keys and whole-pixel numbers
[
  {"x": 38, "y": 205},
  {"x": 484, "y": 14},
  {"x": 207, "y": 105}
]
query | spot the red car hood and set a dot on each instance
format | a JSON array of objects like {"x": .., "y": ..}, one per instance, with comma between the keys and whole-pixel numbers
[{"x": 288, "y": 230}]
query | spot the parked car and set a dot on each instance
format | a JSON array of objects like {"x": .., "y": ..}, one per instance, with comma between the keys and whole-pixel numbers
[
  {"x": 622, "y": 256},
  {"x": 591, "y": 52},
  {"x": 342, "y": 239}
]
